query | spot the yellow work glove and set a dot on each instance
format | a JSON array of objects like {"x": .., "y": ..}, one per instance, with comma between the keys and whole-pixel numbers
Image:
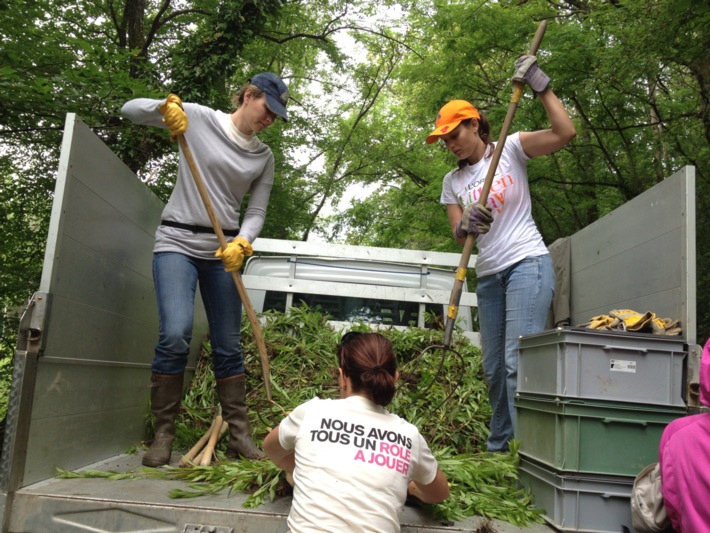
[
  {"x": 233, "y": 256},
  {"x": 174, "y": 116},
  {"x": 666, "y": 326},
  {"x": 633, "y": 320},
  {"x": 602, "y": 322}
]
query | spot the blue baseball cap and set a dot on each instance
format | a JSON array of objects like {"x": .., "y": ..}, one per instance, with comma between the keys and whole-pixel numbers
[{"x": 275, "y": 91}]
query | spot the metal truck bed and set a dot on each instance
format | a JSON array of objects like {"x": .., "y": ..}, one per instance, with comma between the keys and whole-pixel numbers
[
  {"x": 81, "y": 370},
  {"x": 143, "y": 505},
  {"x": 80, "y": 389}
]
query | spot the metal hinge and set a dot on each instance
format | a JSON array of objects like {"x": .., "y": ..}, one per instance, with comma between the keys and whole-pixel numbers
[
  {"x": 196, "y": 528},
  {"x": 30, "y": 337}
]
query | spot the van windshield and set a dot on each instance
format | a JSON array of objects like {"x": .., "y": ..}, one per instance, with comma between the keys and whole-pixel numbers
[{"x": 351, "y": 309}]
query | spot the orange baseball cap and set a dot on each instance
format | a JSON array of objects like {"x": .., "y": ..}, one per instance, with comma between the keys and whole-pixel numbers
[{"x": 450, "y": 116}]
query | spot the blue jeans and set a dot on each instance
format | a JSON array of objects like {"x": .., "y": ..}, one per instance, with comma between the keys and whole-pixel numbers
[
  {"x": 511, "y": 303},
  {"x": 176, "y": 276}
]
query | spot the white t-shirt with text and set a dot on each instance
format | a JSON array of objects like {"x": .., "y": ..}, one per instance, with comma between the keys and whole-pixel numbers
[
  {"x": 513, "y": 235},
  {"x": 354, "y": 461}
]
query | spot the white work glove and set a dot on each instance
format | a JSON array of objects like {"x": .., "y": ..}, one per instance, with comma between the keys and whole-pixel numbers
[
  {"x": 476, "y": 219},
  {"x": 528, "y": 71}
]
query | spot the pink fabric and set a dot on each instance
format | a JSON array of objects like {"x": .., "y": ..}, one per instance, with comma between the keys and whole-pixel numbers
[
  {"x": 684, "y": 456},
  {"x": 705, "y": 375}
]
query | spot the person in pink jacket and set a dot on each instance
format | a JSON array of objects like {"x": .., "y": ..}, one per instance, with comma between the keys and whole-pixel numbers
[{"x": 684, "y": 457}]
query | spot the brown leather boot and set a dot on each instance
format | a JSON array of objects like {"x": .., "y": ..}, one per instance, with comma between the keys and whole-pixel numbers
[
  {"x": 165, "y": 394},
  {"x": 232, "y": 398}
]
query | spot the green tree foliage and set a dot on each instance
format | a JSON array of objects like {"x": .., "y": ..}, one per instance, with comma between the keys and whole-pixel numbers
[
  {"x": 90, "y": 57},
  {"x": 633, "y": 74}
]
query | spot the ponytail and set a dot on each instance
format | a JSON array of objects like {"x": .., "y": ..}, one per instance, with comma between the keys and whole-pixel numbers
[{"x": 369, "y": 361}]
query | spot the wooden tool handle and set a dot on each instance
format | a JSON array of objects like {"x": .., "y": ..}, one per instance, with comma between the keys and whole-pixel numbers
[
  {"x": 453, "y": 309},
  {"x": 253, "y": 319},
  {"x": 190, "y": 456}
]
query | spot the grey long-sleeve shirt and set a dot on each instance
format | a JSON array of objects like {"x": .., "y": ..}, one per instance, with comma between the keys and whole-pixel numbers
[{"x": 228, "y": 170}]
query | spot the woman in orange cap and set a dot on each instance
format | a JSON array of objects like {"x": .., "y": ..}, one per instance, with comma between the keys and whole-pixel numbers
[{"x": 514, "y": 268}]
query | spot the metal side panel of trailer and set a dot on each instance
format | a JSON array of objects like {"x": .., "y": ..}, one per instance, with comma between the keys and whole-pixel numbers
[
  {"x": 642, "y": 256},
  {"x": 80, "y": 392}
]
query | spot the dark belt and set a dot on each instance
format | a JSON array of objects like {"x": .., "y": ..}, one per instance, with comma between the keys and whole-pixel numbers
[{"x": 194, "y": 228}]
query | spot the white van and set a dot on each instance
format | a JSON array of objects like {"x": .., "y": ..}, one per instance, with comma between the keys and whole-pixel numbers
[{"x": 380, "y": 286}]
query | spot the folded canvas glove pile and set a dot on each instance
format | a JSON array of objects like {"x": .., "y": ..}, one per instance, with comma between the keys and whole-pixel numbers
[{"x": 628, "y": 320}]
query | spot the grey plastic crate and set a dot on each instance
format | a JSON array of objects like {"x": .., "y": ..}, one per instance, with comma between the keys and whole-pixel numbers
[
  {"x": 580, "y": 503},
  {"x": 603, "y": 365}
]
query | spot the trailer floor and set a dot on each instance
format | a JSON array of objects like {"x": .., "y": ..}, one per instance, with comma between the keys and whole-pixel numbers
[{"x": 143, "y": 505}]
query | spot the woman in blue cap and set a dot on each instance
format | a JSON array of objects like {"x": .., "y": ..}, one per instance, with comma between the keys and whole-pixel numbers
[{"x": 233, "y": 162}]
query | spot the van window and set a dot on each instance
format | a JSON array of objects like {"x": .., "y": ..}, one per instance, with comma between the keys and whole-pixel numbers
[{"x": 347, "y": 309}]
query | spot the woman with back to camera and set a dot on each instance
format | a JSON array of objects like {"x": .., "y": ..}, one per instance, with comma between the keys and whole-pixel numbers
[
  {"x": 514, "y": 268},
  {"x": 353, "y": 462}
]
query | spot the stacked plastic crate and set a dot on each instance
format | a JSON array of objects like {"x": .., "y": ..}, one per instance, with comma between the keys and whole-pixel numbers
[{"x": 590, "y": 410}]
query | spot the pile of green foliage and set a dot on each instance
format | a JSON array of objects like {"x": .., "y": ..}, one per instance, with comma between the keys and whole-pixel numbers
[{"x": 441, "y": 391}]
